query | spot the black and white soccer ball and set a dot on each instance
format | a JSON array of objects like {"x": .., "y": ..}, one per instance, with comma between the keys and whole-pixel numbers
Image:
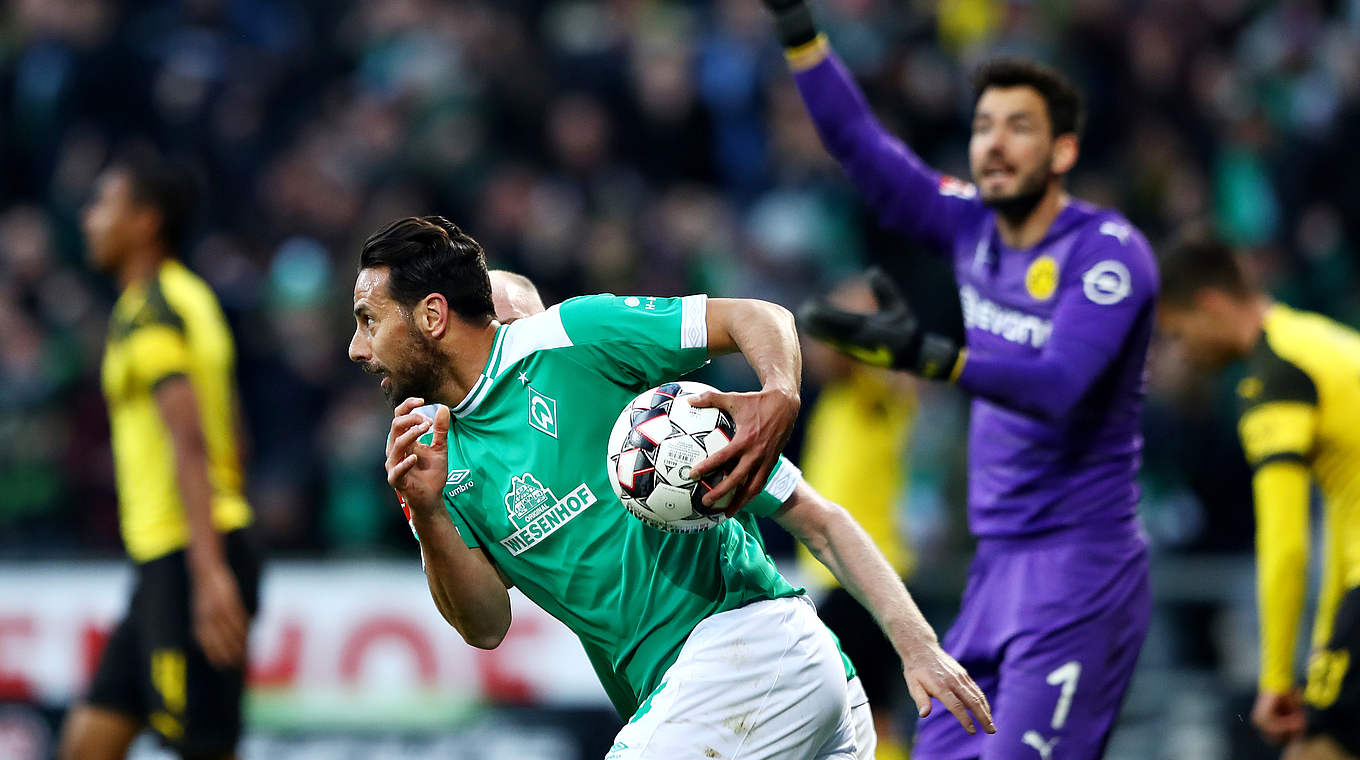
[{"x": 657, "y": 439}]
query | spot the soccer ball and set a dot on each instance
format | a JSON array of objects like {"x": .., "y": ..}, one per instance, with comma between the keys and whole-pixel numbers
[{"x": 657, "y": 439}]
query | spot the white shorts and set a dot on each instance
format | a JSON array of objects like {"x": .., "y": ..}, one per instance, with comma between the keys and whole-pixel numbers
[
  {"x": 756, "y": 683},
  {"x": 866, "y": 737}
]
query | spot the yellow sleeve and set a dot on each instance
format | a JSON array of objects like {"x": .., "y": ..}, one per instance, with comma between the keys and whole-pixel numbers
[
  {"x": 1278, "y": 430},
  {"x": 1281, "y": 491},
  {"x": 158, "y": 351}
]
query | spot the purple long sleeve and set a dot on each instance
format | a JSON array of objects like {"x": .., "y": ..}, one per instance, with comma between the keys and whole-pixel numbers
[
  {"x": 908, "y": 195},
  {"x": 1086, "y": 338}
]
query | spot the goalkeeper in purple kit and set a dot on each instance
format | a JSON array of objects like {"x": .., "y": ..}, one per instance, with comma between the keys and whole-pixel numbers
[{"x": 1058, "y": 302}]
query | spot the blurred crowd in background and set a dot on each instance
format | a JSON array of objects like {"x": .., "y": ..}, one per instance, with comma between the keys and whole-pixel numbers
[
  {"x": 645, "y": 147},
  {"x": 622, "y": 146}
]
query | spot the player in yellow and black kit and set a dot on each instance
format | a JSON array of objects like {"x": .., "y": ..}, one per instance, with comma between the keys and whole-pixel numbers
[
  {"x": 175, "y": 663},
  {"x": 1300, "y": 422}
]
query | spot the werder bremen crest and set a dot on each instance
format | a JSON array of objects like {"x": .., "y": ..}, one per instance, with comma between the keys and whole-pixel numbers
[
  {"x": 537, "y": 513},
  {"x": 527, "y": 499}
]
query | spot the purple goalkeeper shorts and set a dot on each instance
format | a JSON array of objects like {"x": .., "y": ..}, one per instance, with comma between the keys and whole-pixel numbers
[{"x": 1050, "y": 628}]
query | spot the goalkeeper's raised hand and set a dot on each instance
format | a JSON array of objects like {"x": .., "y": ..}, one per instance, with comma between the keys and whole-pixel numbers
[
  {"x": 891, "y": 337},
  {"x": 793, "y": 22}
]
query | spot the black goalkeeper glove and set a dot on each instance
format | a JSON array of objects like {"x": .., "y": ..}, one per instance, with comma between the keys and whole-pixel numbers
[
  {"x": 792, "y": 22},
  {"x": 891, "y": 337}
]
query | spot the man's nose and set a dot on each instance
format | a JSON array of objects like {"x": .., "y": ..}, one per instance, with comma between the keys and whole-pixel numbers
[{"x": 358, "y": 348}]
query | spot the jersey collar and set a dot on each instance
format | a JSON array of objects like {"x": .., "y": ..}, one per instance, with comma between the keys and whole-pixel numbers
[{"x": 484, "y": 381}]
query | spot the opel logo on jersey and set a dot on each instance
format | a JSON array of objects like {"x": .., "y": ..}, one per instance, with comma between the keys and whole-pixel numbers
[
  {"x": 1107, "y": 283},
  {"x": 542, "y": 413}
]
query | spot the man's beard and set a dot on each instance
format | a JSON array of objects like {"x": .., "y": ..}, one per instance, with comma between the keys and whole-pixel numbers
[
  {"x": 1017, "y": 207},
  {"x": 424, "y": 373}
]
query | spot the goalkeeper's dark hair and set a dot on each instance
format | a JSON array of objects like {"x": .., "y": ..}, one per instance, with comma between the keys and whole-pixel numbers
[
  {"x": 168, "y": 186},
  {"x": 1197, "y": 261},
  {"x": 1066, "y": 108},
  {"x": 430, "y": 254}
]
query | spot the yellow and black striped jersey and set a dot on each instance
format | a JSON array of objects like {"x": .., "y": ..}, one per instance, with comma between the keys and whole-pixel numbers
[
  {"x": 1300, "y": 416},
  {"x": 170, "y": 326}
]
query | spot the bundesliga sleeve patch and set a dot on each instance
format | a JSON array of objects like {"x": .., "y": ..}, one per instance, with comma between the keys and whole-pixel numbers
[
  {"x": 957, "y": 188},
  {"x": 1107, "y": 283}
]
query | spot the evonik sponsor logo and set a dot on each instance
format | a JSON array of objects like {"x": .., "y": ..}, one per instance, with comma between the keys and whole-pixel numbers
[{"x": 1010, "y": 324}]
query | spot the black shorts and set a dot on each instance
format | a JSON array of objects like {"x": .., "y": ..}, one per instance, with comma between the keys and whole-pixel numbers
[
  {"x": 875, "y": 660},
  {"x": 1332, "y": 698},
  {"x": 153, "y": 668}
]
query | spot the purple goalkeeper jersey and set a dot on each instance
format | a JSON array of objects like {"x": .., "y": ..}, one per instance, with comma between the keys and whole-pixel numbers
[{"x": 1057, "y": 334}]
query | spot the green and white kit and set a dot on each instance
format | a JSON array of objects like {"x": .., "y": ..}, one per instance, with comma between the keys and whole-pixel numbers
[{"x": 528, "y": 483}]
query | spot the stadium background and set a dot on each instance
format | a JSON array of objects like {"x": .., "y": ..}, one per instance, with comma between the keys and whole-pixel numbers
[{"x": 617, "y": 146}]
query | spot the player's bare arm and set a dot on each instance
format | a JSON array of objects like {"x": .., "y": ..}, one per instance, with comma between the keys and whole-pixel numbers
[
  {"x": 220, "y": 619},
  {"x": 765, "y": 334},
  {"x": 466, "y": 587},
  {"x": 838, "y": 542}
]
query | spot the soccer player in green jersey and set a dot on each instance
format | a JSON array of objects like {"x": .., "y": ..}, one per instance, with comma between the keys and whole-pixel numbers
[
  {"x": 695, "y": 636},
  {"x": 827, "y": 529}
]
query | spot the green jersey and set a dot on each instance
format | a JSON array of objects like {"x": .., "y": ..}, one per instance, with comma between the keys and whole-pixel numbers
[{"x": 528, "y": 483}]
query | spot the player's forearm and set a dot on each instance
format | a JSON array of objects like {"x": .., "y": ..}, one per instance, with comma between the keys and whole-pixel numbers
[
  {"x": 851, "y": 556},
  {"x": 766, "y": 336},
  {"x": 178, "y": 406},
  {"x": 836, "y": 540},
  {"x": 464, "y": 585},
  {"x": 1042, "y": 387},
  {"x": 191, "y": 468},
  {"x": 1281, "y": 494}
]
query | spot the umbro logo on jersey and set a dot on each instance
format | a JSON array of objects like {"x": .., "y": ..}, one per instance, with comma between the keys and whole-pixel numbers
[
  {"x": 460, "y": 482},
  {"x": 542, "y": 413}
]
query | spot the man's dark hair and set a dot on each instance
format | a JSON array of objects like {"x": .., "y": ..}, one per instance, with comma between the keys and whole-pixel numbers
[
  {"x": 1197, "y": 262},
  {"x": 169, "y": 187},
  {"x": 429, "y": 254},
  {"x": 1066, "y": 111}
]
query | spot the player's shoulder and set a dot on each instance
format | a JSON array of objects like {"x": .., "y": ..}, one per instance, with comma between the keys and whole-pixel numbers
[
  {"x": 150, "y": 304},
  {"x": 607, "y": 315},
  {"x": 1106, "y": 230},
  {"x": 189, "y": 296},
  {"x": 1274, "y": 372},
  {"x": 1111, "y": 259},
  {"x": 543, "y": 331},
  {"x": 1318, "y": 346},
  {"x": 179, "y": 284}
]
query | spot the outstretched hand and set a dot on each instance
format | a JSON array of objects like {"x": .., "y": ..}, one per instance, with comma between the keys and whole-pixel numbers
[
  {"x": 763, "y": 419},
  {"x": 931, "y": 672}
]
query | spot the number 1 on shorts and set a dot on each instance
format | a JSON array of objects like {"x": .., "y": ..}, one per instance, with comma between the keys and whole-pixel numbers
[{"x": 1067, "y": 675}]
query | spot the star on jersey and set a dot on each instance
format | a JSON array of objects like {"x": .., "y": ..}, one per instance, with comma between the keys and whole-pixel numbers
[{"x": 523, "y": 379}]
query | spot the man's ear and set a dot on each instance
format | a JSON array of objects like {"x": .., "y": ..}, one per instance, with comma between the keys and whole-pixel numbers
[
  {"x": 1065, "y": 151},
  {"x": 432, "y": 315}
]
